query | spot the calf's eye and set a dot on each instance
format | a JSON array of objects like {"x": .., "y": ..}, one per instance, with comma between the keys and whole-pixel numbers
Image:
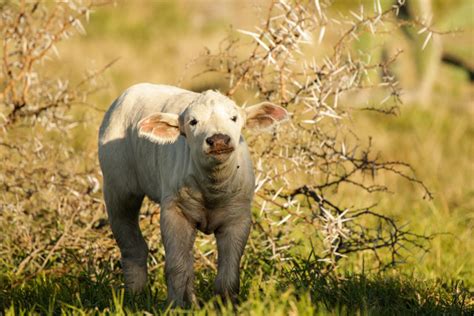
[
  {"x": 193, "y": 122},
  {"x": 234, "y": 118}
]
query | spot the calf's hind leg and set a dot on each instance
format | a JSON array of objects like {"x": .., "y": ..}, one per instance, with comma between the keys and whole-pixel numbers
[{"x": 123, "y": 211}]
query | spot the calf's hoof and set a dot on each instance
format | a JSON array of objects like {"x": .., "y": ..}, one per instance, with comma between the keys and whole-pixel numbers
[{"x": 135, "y": 276}]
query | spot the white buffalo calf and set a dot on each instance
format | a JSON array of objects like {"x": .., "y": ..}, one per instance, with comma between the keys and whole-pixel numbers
[{"x": 185, "y": 151}]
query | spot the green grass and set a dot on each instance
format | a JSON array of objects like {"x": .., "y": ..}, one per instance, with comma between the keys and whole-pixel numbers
[{"x": 297, "y": 288}]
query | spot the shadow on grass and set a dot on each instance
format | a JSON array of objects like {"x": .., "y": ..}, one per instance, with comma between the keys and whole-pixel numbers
[{"x": 99, "y": 289}]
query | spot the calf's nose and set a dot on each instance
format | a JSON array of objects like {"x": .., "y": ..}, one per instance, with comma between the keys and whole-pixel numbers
[{"x": 218, "y": 140}]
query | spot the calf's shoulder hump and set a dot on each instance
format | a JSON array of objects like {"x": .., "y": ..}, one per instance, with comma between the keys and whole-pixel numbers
[{"x": 137, "y": 102}]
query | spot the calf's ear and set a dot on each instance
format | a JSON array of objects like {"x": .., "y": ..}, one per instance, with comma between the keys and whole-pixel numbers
[
  {"x": 264, "y": 115},
  {"x": 161, "y": 128}
]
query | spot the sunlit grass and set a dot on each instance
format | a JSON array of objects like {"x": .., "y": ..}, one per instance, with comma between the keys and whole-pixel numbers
[{"x": 298, "y": 289}]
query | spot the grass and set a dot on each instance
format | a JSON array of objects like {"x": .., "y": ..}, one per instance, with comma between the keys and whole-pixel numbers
[
  {"x": 438, "y": 142},
  {"x": 296, "y": 289}
]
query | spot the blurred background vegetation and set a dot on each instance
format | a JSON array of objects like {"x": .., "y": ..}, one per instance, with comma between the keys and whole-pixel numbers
[
  {"x": 161, "y": 42},
  {"x": 158, "y": 40}
]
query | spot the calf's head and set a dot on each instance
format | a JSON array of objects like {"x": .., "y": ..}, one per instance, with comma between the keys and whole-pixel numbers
[{"x": 211, "y": 124}]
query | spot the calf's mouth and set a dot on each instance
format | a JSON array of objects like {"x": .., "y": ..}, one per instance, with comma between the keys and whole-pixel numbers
[{"x": 220, "y": 151}]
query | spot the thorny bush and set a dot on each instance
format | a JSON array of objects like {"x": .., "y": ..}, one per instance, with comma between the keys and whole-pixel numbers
[
  {"x": 300, "y": 166},
  {"x": 50, "y": 197},
  {"x": 51, "y": 206}
]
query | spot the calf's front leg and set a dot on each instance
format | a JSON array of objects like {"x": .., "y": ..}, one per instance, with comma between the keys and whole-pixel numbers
[
  {"x": 178, "y": 237},
  {"x": 231, "y": 241}
]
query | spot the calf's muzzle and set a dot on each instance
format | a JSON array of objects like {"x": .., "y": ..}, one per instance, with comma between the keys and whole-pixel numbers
[{"x": 219, "y": 144}]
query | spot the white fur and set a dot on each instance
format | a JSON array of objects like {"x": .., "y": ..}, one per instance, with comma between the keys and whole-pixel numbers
[{"x": 195, "y": 189}]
